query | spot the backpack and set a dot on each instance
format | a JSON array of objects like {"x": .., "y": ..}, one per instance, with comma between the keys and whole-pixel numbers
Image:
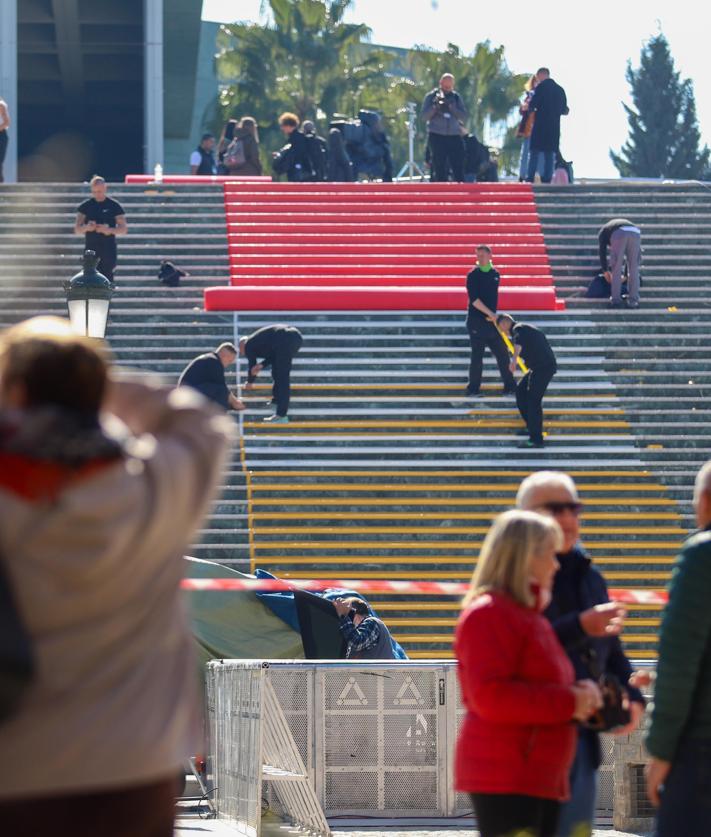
[{"x": 234, "y": 154}]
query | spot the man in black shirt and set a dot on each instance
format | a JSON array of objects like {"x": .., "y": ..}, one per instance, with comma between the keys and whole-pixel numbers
[
  {"x": 625, "y": 242},
  {"x": 532, "y": 346},
  {"x": 100, "y": 219},
  {"x": 276, "y": 345},
  {"x": 293, "y": 159},
  {"x": 483, "y": 291},
  {"x": 206, "y": 374}
]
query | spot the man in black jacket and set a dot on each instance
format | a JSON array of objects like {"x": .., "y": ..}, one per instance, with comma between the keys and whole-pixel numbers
[
  {"x": 549, "y": 103},
  {"x": 276, "y": 345},
  {"x": 293, "y": 159},
  {"x": 318, "y": 150},
  {"x": 483, "y": 293},
  {"x": 586, "y": 623},
  {"x": 206, "y": 374},
  {"x": 624, "y": 240},
  {"x": 532, "y": 346}
]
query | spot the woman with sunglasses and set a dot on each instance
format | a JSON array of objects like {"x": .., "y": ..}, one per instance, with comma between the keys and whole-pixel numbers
[{"x": 588, "y": 625}]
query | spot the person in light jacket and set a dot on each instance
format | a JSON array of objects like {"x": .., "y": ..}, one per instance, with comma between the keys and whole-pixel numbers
[
  {"x": 444, "y": 112},
  {"x": 103, "y": 483},
  {"x": 518, "y": 739}
]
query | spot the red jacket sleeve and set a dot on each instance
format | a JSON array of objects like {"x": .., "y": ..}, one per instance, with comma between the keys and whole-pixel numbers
[{"x": 489, "y": 648}]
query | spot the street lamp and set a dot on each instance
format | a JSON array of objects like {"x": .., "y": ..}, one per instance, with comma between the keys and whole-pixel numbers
[{"x": 88, "y": 298}]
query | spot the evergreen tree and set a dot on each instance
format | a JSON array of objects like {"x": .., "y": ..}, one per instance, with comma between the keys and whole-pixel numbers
[{"x": 664, "y": 139}]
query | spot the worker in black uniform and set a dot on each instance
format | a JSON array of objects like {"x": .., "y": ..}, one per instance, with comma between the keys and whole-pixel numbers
[
  {"x": 532, "y": 346},
  {"x": 206, "y": 374},
  {"x": 483, "y": 291},
  {"x": 276, "y": 345}
]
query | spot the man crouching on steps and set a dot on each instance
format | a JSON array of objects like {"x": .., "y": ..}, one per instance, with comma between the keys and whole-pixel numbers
[
  {"x": 532, "y": 346},
  {"x": 277, "y": 345}
]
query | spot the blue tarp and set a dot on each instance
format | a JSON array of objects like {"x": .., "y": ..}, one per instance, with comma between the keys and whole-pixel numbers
[{"x": 282, "y": 605}]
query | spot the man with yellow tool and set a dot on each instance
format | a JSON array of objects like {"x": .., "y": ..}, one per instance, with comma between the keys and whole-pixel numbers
[{"x": 531, "y": 346}]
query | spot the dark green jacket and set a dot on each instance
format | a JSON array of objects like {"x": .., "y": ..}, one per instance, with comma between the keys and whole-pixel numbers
[{"x": 682, "y": 702}]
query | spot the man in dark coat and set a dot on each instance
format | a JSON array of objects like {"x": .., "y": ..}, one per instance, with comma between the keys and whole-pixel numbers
[
  {"x": 276, "y": 345},
  {"x": 549, "y": 103},
  {"x": 206, "y": 374},
  {"x": 293, "y": 159},
  {"x": 586, "y": 623}
]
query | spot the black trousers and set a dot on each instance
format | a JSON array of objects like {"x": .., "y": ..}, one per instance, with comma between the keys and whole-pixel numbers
[
  {"x": 107, "y": 262},
  {"x": 282, "y": 358},
  {"x": 447, "y": 154},
  {"x": 483, "y": 334},
  {"x": 529, "y": 399},
  {"x": 4, "y": 139},
  {"x": 511, "y": 815}
]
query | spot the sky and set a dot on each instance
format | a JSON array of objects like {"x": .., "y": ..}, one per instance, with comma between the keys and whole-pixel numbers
[{"x": 587, "y": 46}]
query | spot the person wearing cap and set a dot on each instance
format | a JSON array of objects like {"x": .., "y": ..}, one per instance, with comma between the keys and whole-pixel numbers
[
  {"x": 202, "y": 160},
  {"x": 532, "y": 346}
]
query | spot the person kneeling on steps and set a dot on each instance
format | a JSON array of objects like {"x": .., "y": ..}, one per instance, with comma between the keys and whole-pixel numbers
[
  {"x": 532, "y": 346},
  {"x": 277, "y": 345}
]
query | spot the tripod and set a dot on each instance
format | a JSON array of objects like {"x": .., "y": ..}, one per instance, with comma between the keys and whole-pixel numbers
[{"x": 410, "y": 166}]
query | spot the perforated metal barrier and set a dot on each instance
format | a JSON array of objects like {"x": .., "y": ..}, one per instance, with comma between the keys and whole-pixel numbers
[{"x": 375, "y": 739}]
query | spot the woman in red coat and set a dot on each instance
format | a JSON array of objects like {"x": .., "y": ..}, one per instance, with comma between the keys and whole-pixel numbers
[{"x": 518, "y": 739}]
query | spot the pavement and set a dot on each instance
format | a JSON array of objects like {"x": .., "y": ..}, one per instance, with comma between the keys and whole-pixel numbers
[{"x": 191, "y": 827}]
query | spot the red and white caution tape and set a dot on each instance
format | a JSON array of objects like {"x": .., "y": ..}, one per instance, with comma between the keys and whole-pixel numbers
[{"x": 430, "y": 588}]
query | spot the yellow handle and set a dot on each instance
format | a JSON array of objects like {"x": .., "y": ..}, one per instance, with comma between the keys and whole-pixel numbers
[{"x": 509, "y": 345}]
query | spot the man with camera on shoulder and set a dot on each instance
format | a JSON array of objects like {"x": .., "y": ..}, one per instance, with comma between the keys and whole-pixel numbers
[
  {"x": 444, "y": 112},
  {"x": 588, "y": 626}
]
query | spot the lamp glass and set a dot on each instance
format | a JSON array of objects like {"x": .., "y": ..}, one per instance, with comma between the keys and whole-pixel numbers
[
  {"x": 98, "y": 315},
  {"x": 77, "y": 314}
]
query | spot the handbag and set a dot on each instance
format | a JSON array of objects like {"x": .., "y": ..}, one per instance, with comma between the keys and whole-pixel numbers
[
  {"x": 234, "y": 155},
  {"x": 615, "y": 711},
  {"x": 16, "y": 659}
]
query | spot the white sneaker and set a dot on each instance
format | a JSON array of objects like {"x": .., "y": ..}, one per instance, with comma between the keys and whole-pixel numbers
[{"x": 277, "y": 419}]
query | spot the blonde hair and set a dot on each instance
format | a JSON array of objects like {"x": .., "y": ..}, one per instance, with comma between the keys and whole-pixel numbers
[
  {"x": 514, "y": 539},
  {"x": 531, "y": 83}
]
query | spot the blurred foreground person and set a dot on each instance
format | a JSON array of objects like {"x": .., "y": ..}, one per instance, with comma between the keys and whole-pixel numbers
[
  {"x": 517, "y": 742},
  {"x": 588, "y": 626},
  {"x": 206, "y": 374},
  {"x": 94, "y": 520},
  {"x": 679, "y": 740}
]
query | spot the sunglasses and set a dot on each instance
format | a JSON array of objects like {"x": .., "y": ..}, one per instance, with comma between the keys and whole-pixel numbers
[{"x": 559, "y": 508}]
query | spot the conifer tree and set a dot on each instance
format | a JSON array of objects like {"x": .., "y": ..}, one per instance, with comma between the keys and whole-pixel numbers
[{"x": 664, "y": 138}]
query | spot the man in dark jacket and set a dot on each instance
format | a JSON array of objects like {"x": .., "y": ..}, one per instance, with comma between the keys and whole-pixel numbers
[
  {"x": 318, "y": 150},
  {"x": 367, "y": 636},
  {"x": 588, "y": 626},
  {"x": 444, "y": 112},
  {"x": 679, "y": 739},
  {"x": 624, "y": 241},
  {"x": 276, "y": 345},
  {"x": 532, "y": 346},
  {"x": 483, "y": 293},
  {"x": 549, "y": 103},
  {"x": 206, "y": 374},
  {"x": 293, "y": 159}
]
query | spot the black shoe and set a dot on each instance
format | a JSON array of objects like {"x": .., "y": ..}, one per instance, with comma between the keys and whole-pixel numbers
[
  {"x": 473, "y": 394},
  {"x": 529, "y": 444},
  {"x": 632, "y": 304}
]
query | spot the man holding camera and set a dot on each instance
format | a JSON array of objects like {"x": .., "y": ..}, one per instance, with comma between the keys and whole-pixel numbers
[
  {"x": 444, "y": 112},
  {"x": 368, "y": 637},
  {"x": 588, "y": 625}
]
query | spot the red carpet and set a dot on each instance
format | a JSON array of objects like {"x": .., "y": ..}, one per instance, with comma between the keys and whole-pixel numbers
[{"x": 387, "y": 240}]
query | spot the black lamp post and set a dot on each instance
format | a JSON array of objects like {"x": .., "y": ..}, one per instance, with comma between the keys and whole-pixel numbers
[{"x": 88, "y": 298}]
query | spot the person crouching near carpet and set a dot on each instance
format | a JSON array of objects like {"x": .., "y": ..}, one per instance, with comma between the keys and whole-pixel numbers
[{"x": 518, "y": 740}]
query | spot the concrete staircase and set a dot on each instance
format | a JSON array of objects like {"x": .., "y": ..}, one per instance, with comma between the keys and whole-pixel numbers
[{"x": 386, "y": 471}]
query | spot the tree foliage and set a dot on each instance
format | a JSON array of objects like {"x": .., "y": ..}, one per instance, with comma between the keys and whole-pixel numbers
[
  {"x": 664, "y": 138},
  {"x": 309, "y": 61}
]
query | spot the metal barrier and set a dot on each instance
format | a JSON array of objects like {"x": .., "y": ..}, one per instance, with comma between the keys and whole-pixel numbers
[{"x": 374, "y": 739}]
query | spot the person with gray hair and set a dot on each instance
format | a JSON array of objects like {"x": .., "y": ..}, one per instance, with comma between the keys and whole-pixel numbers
[
  {"x": 679, "y": 739},
  {"x": 588, "y": 626}
]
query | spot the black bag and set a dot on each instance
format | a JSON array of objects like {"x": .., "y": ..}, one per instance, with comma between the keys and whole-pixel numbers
[
  {"x": 615, "y": 711},
  {"x": 16, "y": 661},
  {"x": 169, "y": 274}
]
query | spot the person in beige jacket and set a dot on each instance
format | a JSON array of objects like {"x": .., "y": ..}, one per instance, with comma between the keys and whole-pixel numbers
[{"x": 96, "y": 512}]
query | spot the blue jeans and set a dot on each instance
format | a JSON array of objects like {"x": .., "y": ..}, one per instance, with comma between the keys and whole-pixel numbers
[
  {"x": 548, "y": 165},
  {"x": 578, "y": 813},
  {"x": 525, "y": 157},
  {"x": 685, "y": 810}
]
